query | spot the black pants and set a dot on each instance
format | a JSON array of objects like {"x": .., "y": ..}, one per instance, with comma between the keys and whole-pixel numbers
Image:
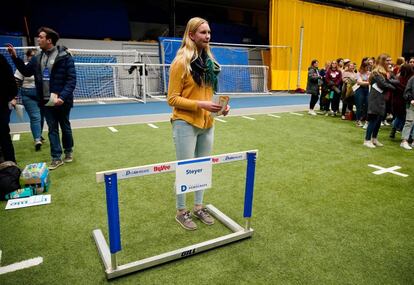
[
  {"x": 335, "y": 102},
  {"x": 324, "y": 100},
  {"x": 6, "y": 145},
  {"x": 374, "y": 124},
  {"x": 313, "y": 100},
  {"x": 347, "y": 104}
]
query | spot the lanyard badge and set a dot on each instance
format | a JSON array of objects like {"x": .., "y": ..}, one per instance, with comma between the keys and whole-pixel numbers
[{"x": 46, "y": 74}]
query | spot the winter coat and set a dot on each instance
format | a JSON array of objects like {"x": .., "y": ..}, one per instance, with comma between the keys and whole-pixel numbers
[
  {"x": 409, "y": 91},
  {"x": 62, "y": 76},
  {"x": 376, "y": 99},
  {"x": 333, "y": 77},
  {"x": 314, "y": 81},
  {"x": 8, "y": 88},
  {"x": 397, "y": 99}
]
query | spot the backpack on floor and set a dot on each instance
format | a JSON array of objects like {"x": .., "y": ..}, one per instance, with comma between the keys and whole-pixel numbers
[{"x": 9, "y": 178}]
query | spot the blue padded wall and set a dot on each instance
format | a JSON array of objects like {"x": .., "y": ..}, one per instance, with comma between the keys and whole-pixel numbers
[
  {"x": 223, "y": 55},
  {"x": 95, "y": 81}
]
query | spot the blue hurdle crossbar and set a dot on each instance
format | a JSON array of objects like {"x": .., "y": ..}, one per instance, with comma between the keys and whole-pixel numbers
[{"x": 108, "y": 254}]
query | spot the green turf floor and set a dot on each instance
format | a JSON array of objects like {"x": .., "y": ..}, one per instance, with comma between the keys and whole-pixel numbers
[{"x": 320, "y": 216}]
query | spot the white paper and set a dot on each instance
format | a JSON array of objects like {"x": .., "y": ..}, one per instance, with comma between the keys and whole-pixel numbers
[
  {"x": 52, "y": 100},
  {"x": 222, "y": 103},
  {"x": 19, "y": 112},
  {"x": 376, "y": 87},
  {"x": 355, "y": 87},
  {"x": 35, "y": 200}
]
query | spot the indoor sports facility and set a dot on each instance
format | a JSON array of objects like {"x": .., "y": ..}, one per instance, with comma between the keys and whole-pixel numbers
[{"x": 296, "y": 195}]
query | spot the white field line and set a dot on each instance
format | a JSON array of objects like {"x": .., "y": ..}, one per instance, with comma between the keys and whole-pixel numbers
[
  {"x": 101, "y": 102},
  {"x": 382, "y": 170},
  {"x": 153, "y": 126},
  {"x": 296, "y": 114},
  {"x": 274, "y": 116},
  {"x": 16, "y": 137},
  {"x": 249, "y": 118},
  {"x": 112, "y": 129},
  {"x": 21, "y": 265},
  {"x": 220, "y": 120}
]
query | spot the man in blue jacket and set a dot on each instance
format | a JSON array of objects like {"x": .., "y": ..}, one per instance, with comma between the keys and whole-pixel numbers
[{"x": 55, "y": 78}]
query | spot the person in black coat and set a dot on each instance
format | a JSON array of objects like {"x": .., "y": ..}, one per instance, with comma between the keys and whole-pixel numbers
[
  {"x": 8, "y": 93},
  {"x": 380, "y": 85},
  {"x": 312, "y": 87}
]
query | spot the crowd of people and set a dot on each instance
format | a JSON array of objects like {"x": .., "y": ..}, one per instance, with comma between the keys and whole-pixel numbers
[{"x": 378, "y": 93}]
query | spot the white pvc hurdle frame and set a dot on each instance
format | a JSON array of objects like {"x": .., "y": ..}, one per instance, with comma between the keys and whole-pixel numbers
[{"x": 108, "y": 253}]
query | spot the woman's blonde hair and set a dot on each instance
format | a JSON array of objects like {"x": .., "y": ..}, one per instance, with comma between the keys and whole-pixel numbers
[
  {"x": 188, "y": 50},
  {"x": 400, "y": 60},
  {"x": 381, "y": 65}
]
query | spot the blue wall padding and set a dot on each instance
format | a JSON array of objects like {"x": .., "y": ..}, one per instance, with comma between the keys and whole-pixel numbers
[
  {"x": 95, "y": 81},
  {"x": 239, "y": 78},
  {"x": 228, "y": 80}
]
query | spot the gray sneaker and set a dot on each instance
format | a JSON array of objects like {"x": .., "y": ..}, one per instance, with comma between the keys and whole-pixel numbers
[
  {"x": 184, "y": 219},
  {"x": 204, "y": 216},
  {"x": 55, "y": 164},
  {"x": 68, "y": 157}
]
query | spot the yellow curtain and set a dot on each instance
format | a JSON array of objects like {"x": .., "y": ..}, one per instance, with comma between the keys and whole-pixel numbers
[{"x": 329, "y": 33}]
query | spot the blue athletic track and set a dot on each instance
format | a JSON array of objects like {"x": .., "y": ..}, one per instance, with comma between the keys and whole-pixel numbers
[{"x": 95, "y": 111}]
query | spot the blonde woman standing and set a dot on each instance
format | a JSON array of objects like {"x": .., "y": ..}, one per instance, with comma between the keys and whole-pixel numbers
[
  {"x": 193, "y": 79},
  {"x": 380, "y": 84}
]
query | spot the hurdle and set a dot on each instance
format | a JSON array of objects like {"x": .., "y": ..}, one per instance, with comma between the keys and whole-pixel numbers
[{"x": 111, "y": 177}]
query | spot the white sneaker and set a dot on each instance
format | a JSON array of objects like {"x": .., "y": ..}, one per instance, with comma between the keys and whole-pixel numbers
[
  {"x": 376, "y": 143},
  {"x": 386, "y": 123},
  {"x": 365, "y": 126},
  {"x": 406, "y": 146},
  {"x": 369, "y": 144},
  {"x": 312, "y": 112},
  {"x": 359, "y": 124}
]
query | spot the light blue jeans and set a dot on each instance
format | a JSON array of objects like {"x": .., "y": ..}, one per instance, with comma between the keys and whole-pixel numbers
[
  {"x": 409, "y": 124},
  {"x": 191, "y": 142},
  {"x": 31, "y": 105}
]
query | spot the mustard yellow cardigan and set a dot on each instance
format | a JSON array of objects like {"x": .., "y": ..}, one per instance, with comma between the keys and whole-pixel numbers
[{"x": 183, "y": 94}]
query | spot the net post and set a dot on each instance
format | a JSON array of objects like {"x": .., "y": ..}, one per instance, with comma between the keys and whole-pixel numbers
[
  {"x": 248, "y": 195},
  {"x": 111, "y": 187},
  {"x": 144, "y": 82}
]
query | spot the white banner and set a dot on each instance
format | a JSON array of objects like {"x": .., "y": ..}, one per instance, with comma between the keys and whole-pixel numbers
[
  {"x": 35, "y": 200},
  {"x": 193, "y": 175}
]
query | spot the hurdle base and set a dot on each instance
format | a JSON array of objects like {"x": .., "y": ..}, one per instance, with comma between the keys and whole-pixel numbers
[{"x": 115, "y": 271}]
